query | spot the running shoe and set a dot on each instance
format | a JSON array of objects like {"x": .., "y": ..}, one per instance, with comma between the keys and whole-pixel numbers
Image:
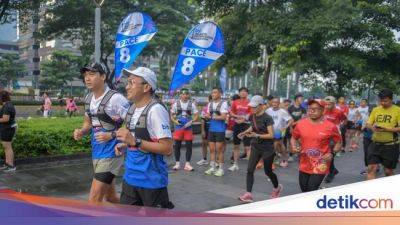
[
  {"x": 202, "y": 162},
  {"x": 276, "y": 192},
  {"x": 363, "y": 172},
  {"x": 234, "y": 168},
  {"x": 246, "y": 197},
  {"x": 188, "y": 167},
  {"x": 210, "y": 171},
  {"x": 176, "y": 167},
  {"x": 219, "y": 173},
  {"x": 284, "y": 164},
  {"x": 10, "y": 169},
  {"x": 290, "y": 159},
  {"x": 339, "y": 154}
]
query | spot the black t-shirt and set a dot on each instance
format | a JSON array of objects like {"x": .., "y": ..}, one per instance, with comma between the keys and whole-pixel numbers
[
  {"x": 296, "y": 112},
  {"x": 8, "y": 109},
  {"x": 260, "y": 126}
]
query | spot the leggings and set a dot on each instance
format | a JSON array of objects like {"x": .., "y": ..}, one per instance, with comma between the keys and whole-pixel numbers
[
  {"x": 366, "y": 143},
  {"x": 178, "y": 145},
  {"x": 310, "y": 182},
  {"x": 268, "y": 159}
]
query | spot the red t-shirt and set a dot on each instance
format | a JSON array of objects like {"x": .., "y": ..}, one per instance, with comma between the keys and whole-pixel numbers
[
  {"x": 241, "y": 107},
  {"x": 314, "y": 139},
  {"x": 335, "y": 115},
  {"x": 344, "y": 108}
]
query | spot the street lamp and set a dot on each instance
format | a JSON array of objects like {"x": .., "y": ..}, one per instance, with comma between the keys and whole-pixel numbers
[{"x": 97, "y": 31}]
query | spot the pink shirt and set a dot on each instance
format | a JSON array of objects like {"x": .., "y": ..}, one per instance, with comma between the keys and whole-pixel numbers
[{"x": 47, "y": 103}]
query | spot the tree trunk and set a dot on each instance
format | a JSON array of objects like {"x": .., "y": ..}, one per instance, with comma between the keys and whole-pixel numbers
[{"x": 267, "y": 73}]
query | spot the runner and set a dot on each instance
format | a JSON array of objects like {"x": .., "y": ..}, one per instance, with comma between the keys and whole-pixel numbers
[
  {"x": 8, "y": 128},
  {"x": 46, "y": 105},
  {"x": 384, "y": 122},
  {"x": 240, "y": 111},
  {"x": 297, "y": 112},
  {"x": 311, "y": 139},
  {"x": 343, "y": 127},
  {"x": 71, "y": 106},
  {"x": 217, "y": 112},
  {"x": 337, "y": 117},
  {"x": 205, "y": 126},
  {"x": 104, "y": 110},
  {"x": 282, "y": 121},
  {"x": 183, "y": 113},
  {"x": 352, "y": 119},
  {"x": 367, "y": 140},
  {"x": 146, "y": 140},
  {"x": 261, "y": 133}
]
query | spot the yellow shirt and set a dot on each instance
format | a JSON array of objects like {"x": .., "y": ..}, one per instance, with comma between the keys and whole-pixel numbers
[{"x": 387, "y": 118}]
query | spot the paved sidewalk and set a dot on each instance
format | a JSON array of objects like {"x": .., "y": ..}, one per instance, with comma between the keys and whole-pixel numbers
[{"x": 190, "y": 191}]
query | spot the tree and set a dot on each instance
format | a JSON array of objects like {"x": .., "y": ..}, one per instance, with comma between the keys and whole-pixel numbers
[
  {"x": 74, "y": 20},
  {"x": 58, "y": 70},
  {"x": 347, "y": 42},
  {"x": 10, "y": 68}
]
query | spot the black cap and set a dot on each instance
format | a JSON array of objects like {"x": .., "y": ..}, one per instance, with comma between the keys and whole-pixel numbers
[{"x": 94, "y": 67}]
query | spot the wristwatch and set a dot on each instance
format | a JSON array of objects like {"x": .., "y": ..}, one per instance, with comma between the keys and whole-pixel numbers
[
  {"x": 113, "y": 134},
  {"x": 138, "y": 142}
]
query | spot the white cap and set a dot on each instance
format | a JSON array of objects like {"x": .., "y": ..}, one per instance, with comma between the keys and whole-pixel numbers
[
  {"x": 147, "y": 74},
  {"x": 256, "y": 100}
]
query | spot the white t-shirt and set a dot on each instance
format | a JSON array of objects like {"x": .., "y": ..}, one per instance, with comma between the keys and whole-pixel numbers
[
  {"x": 363, "y": 111},
  {"x": 157, "y": 121},
  {"x": 116, "y": 108},
  {"x": 352, "y": 116},
  {"x": 184, "y": 106},
  {"x": 224, "y": 107},
  {"x": 281, "y": 117}
]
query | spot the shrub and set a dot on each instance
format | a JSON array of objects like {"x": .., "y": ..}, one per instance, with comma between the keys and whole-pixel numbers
[{"x": 51, "y": 136}]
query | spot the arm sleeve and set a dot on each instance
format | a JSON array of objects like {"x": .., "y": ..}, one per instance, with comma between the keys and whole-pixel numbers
[
  {"x": 371, "y": 119},
  {"x": 194, "y": 108},
  {"x": 224, "y": 107},
  {"x": 296, "y": 132},
  {"x": 159, "y": 123},
  {"x": 336, "y": 134}
]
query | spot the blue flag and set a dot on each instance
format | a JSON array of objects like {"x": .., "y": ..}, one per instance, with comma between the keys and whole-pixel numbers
[
  {"x": 222, "y": 79},
  {"x": 134, "y": 32},
  {"x": 203, "y": 45}
]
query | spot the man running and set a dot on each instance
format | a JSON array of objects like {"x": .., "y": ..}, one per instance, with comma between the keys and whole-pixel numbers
[
  {"x": 146, "y": 140},
  {"x": 104, "y": 110},
  {"x": 240, "y": 111},
  {"x": 261, "y": 132},
  {"x": 297, "y": 112},
  {"x": 282, "y": 121},
  {"x": 311, "y": 139},
  {"x": 337, "y": 117},
  {"x": 384, "y": 122},
  {"x": 183, "y": 113},
  {"x": 217, "y": 113}
]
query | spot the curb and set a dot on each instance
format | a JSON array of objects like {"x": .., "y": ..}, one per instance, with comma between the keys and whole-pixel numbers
[{"x": 59, "y": 158}]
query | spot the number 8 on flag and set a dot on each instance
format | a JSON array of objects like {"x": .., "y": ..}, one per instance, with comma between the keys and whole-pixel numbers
[{"x": 203, "y": 45}]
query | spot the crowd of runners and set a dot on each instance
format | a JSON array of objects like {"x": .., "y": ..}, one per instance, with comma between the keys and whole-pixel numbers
[{"x": 139, "y": 130}]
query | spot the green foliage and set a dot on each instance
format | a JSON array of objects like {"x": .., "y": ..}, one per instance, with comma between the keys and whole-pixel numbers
[
  {"x": 62, "y": 67},
  {"x": 10, "y": 68},
  {"x": 348, "y": 43},
  {"x": 74, "y": 19},
  {"x": 52, "y": 136}
]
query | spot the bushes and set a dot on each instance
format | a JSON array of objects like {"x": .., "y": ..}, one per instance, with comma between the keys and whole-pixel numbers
[{"x": 52, "y": 136}]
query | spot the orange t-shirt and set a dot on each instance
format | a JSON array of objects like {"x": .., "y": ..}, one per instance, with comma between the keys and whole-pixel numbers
[{"x": 314, "y": 140}]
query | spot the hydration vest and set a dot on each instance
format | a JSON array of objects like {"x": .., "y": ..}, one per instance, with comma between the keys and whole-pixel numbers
[
  {"x": 180, "y": 110},
  {"x": 217, "y": 110},
  {"x": 105, "y": 120}
]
